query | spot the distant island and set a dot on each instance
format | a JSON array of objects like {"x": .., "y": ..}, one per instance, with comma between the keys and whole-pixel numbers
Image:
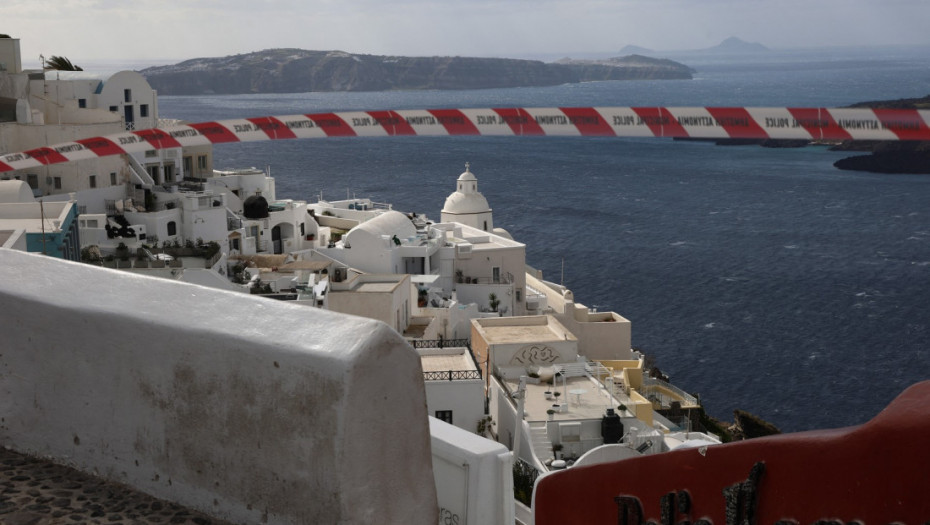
[
  {"x": 298, "y": 70},
  {"x": 730, "y": 46}
]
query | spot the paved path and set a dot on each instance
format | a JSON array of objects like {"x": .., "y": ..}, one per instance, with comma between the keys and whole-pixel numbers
[{"x": 37, "y": 492}]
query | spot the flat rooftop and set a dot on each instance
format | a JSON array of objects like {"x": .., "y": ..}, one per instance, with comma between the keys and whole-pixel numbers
[
  {"x": 443, "y": 363},
  {"x": 534, "y": 329},
  {"x": 581, "y": 398},
  {"x": 376, "y": 287}
]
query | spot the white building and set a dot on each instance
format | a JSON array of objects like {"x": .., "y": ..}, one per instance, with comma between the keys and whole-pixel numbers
[
  {"x": 556, "y": 408},
  {"x": 385, "y": 297}
]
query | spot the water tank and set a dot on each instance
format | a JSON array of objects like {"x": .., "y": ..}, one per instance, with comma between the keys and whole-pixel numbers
[{"x": 611, "y": 427}]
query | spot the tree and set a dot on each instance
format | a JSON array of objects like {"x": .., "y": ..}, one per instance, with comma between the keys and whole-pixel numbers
[{"x": 61, "y": 64}]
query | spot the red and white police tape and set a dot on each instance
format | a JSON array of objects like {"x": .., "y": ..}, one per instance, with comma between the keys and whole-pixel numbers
[{"x": 695, "y": 122}]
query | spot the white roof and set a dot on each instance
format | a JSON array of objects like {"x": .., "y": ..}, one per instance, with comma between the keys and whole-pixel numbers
[
  {"x": 390, "y": 223},
  {"x": 15, "y": 191}
]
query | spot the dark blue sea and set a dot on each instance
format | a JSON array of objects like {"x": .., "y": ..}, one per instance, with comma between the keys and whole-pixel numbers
[{"x": 761, "y": 279}]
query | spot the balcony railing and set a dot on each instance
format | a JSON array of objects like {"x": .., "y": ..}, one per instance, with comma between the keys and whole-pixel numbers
[
  {"x": 452, "y": 375},
  {"x": 449, "y": 375},
  {"x": 666, "y": 393},
  {"x": 441, "y": 343}
]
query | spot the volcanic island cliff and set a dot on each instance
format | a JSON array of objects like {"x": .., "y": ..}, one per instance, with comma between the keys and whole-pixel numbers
[{"x": 298, "y": 71}]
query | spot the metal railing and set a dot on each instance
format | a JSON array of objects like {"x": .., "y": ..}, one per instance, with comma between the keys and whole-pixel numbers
[
  {"x": 441, "y": 343},
  {"x": 653, "y": 389},
  {"x": 452, "y": 375},
  {"x": 524, "y": 478},
  {"x": 449, "y": 343}
]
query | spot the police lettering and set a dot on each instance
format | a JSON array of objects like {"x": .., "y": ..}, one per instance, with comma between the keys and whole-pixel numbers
[{"x": 625, "y": 120}]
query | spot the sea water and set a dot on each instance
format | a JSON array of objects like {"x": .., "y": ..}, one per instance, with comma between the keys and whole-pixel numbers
[{"x": 760, "y": 279}]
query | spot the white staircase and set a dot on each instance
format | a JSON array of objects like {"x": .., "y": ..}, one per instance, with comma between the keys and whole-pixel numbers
[{"x": 542, "y": 447}]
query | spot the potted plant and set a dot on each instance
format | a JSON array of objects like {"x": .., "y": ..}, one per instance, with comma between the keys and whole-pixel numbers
[
  {"x": 422, "y": 297},
  {"x": 556, "y": 448},
  {"x": 549, "y": 394},
  {"x": 551, "y": 413}
]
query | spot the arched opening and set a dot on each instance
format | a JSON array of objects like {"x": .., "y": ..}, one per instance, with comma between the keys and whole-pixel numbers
[{"x": 280, "y": 235}]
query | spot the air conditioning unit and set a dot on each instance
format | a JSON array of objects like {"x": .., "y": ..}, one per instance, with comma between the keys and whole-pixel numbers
[{"x": 339, "y": 275}]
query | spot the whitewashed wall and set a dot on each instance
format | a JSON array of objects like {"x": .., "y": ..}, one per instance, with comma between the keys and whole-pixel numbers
[{"x": 244, "y": 408}]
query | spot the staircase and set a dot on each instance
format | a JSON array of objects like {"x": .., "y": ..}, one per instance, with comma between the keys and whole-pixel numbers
[{"x": 542, "y": 447}]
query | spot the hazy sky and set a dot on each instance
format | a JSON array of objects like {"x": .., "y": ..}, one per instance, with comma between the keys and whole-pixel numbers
[{"x": 169, "y": 30}]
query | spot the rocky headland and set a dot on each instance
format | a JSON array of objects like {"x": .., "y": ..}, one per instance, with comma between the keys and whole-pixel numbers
[
  {"x": 884, "y": 156},
  {"x": 298, "y": 71}
]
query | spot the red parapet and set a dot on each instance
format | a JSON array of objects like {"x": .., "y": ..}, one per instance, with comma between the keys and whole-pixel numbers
[{"x": 873, "y": 474}]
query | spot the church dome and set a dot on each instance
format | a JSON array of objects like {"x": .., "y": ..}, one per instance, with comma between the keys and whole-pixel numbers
[
  {"x": 466, "y": 199},
  {"x": 459, "y": 203}
]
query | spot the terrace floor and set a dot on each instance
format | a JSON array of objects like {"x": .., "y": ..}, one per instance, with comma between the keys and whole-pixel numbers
[{"x": 37, "y": 492}]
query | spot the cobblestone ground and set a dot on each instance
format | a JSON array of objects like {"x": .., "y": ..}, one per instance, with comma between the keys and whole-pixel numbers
[{"x": 37, "y": 492}]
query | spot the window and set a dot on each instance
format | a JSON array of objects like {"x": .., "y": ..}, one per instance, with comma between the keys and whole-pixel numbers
[
  {"x": 114, "y": 109},
  {"x": 445, "y": 415},
  {"x": 113, "y": 178},
  {"x": 93, "y": 181},
  {"x": 202, "y": 162},
  {"x": 172, "y": 228},
  {"x": 519, "y": 295},
  {"x": 143, "y": 110},
  {"x": 82, "y": 102},
  {"x": 57, "y": 183},
  {"x": 496, "y": 274},
  {"x": 33, "y": 180},
  {"x": 127, "y": 95}
]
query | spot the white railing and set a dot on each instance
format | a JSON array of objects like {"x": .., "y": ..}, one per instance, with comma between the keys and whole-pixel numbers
[{"x": 653, "y": 388}]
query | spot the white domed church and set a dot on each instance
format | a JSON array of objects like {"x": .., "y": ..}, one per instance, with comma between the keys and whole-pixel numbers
[{"x": 467, "y": 205}]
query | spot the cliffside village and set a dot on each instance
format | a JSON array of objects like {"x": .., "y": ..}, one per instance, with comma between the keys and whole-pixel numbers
[{"x": 505, "y": 354}]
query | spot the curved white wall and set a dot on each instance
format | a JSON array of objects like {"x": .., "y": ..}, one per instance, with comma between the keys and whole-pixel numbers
[{"x": 245, "y": 408}]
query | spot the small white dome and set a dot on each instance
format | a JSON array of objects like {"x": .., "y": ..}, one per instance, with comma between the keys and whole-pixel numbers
[{"x": 467, "y": 175}]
